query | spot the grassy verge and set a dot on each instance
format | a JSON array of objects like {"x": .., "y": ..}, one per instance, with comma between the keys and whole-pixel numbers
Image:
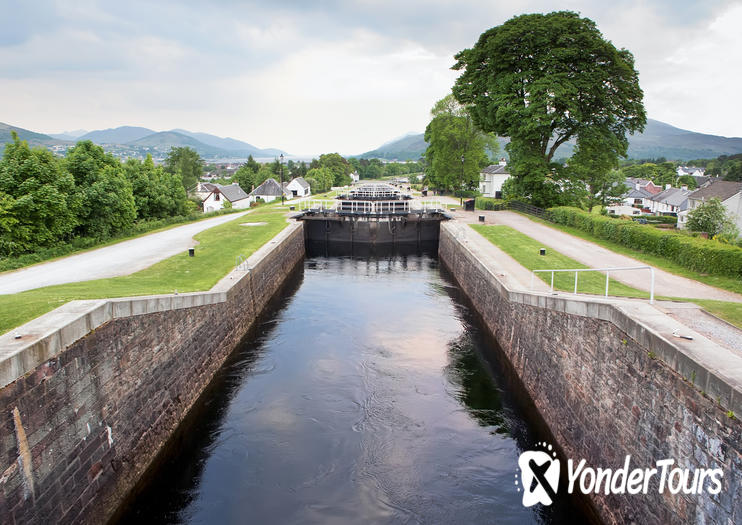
[
  {"x": 730, "y": 312},
  {"x": 85, "y": 244},
  {"x": 215, "y": 257},
  {"x": 719, "y": 281},
  {"x": 525, "y": 250}
]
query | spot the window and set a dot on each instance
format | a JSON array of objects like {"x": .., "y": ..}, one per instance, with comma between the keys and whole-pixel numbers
[{"x": 216, "y": 196}]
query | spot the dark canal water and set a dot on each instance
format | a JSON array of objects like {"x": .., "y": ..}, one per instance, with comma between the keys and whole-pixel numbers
[{"x": 363, "y": 397}]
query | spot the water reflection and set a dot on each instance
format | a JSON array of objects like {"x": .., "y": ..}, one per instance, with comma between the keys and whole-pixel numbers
[{"x": 363, "y": 398}]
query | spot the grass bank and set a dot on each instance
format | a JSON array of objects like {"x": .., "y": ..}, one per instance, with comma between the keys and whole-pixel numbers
[
  {"x": 84, "y": 244},
  {"x": 524, "y": 249},
  {"x": 215, "y": 257},
  {"x": 719, "y": 281}
]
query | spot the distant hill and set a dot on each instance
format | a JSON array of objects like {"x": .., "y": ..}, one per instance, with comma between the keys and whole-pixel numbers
[
  {"x": 658, "y": 140},
  {"x": 164, "y": 140},
  {"x": 33, "y": 138},
  {"x": 410, "y": 147},
  {"x": 120, "y": 135},
  {"x": 68, "y": 135},
  {"x": 230, "y": 144}
]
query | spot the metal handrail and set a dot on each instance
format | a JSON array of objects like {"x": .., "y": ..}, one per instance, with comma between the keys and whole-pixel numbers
[{"x": 607, "y": 276}]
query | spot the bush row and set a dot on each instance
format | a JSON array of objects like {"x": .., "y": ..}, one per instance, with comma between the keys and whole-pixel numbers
[
  {"x": 694, "y": 253},
  {"x": 486, "y": 203}
]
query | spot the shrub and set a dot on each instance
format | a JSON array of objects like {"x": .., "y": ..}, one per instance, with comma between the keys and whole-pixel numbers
[
  {"x": 694, "y": 253},
  {"x": 486, "y": 203}
]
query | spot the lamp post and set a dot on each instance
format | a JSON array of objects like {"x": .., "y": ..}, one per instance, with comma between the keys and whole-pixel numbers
[
  {"x": 282, "y": 193},
  {"x": 461, "y": 183}
]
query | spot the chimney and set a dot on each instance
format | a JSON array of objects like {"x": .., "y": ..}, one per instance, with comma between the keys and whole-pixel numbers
[
  {"x": 668, "y": 186},
  {"x": 684, "y": 187},
  {"x": 503, "y": 162}
]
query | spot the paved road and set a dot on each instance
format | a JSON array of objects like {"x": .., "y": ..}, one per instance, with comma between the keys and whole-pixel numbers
[
  {"x": 123, "y": 258},
  {"x": 590, "y": 254}
]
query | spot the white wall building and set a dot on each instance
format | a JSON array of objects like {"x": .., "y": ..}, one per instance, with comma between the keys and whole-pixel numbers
[
  {"x": 729, "y": 193},
  {"x": 298, "y": 187},
  {"x": 492, "y": 178},
  {"x": 232, "y": 193}
]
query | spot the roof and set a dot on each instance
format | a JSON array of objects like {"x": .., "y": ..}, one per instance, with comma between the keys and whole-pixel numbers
[
  {"x": 721, "y": 189},
  {"x": 672, "y": 196},
  {"x": 301, "y": 182},
  {"x": 646, "y": 185},
  {"x": 232, "y": 192},
  {"x": 493, "y": 169},
  {"x": 641, "y": 193},
  {"x": 270, "y": 188}
]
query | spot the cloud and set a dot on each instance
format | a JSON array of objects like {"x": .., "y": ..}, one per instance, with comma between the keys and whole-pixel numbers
[{"x": 320, "y": 76}]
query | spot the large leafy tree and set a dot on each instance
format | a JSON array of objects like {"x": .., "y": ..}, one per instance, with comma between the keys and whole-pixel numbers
[
  {"x": 106, "y": 195},
  {"x": 543, "y": 80},
  {"x": 38, "y": 201},
  {"x": 157, "y": 194},
  {"x": 186, "y": 162},
  {"x": 452, "y": 135},
  {"x": 320, "y": 179},
  {"x": 338, "y": 166}
]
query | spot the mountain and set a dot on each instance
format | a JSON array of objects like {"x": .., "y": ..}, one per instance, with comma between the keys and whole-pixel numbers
[
  {"x": 68, "y": 135},
  {"x": 120, "y": 135},
  {"x": 33, "y": 138},
  {"x": 164, "y": 140},
  {"x": 409, "y": 147},
  {"x": 663, "y": 140},
  {"x": 230, "y": 144},
  {"x": 658, "y": 140}
]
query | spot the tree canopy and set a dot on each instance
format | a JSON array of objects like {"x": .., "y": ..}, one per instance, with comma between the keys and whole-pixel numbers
[
  {"x": 186, "y": 162},
  {"x": 713, "y": 218},
  {"x": 544, "y": 79},
  {"x": 452, "y": 136}
]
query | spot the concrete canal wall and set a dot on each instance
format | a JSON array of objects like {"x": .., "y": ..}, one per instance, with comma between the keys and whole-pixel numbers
[
  {"x": 607, "y": 387},
  {"x": 92, "y": 391}
]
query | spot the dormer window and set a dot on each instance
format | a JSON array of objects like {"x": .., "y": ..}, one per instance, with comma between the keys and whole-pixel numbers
[{"x": 216, "y": 195}]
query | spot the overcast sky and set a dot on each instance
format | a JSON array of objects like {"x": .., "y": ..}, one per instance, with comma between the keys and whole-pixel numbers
[{"x": 313, "y": 77}]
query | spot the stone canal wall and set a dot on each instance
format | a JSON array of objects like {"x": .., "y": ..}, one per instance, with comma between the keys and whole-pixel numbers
[
  {"x": 92, "y": 391},
  {"x": 607, "y": 387}
]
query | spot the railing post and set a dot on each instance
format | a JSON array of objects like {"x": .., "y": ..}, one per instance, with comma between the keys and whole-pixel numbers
[
  {"x": 532, "y": 274},
  {"x": 576, "y": 282},
  {"x": 651, "y": 285},
  {"x": 607, "y": 277},
  {"x": 552, "y": 280}
]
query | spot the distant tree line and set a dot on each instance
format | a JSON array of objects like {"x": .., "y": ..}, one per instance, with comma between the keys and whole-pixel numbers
[
  {"x": 47, "y": 200},
  {"x": 727, "y": 166}
]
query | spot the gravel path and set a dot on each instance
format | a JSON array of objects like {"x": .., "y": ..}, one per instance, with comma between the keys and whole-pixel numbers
[{"x": 123, "y": 258}]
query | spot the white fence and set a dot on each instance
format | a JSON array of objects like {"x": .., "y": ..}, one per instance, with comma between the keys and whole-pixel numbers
[{"x": 607, "y": 276}]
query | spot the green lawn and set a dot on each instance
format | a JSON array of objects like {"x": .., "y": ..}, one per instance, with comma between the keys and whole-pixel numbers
[
  {"x": 215, "y": 257},
  {"x": 525, "y": 250},
  {"x": 719, "y": 281},
  {"x": 26, "y": 260}
]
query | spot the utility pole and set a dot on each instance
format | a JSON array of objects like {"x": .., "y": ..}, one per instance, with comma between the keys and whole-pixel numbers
[
  {"x": 461, "y": 183},
  {"x": 282, "y": 192}
]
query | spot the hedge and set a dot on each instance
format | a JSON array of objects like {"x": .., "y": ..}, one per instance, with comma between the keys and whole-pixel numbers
[
  {"x": 694, "y": 253},
  {"x": 486, "y": 203}
]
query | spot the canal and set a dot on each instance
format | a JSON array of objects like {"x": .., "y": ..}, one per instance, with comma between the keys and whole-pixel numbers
[{"x": 363, "y": 397}]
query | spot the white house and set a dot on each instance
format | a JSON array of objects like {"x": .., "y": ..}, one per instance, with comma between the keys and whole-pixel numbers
[
  {"x": 729, "y": 193},
  {"x": 269, "y": 191},
  {"x": 298, "y": 187},
  {"x": 492, "y": 178},
  {"x": 690, "y": 170},
  {"x": 232, "y": 193},
  {"x": 354, "y": 177},
  {"x": 640, "y": 193},
  {"x": 619, "y": 209},
  {"x": 670, "y": 201}
]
